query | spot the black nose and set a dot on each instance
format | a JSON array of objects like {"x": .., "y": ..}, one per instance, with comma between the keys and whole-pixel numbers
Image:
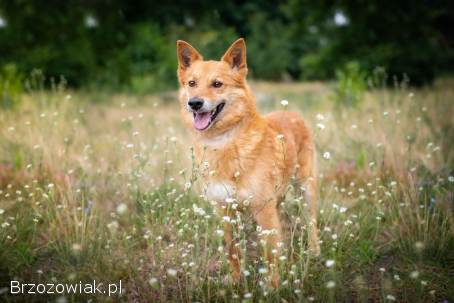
[{"x": 195, "y": 103}]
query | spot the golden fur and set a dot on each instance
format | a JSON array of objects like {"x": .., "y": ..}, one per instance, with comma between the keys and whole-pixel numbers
[{"x": 251, "y": 157}]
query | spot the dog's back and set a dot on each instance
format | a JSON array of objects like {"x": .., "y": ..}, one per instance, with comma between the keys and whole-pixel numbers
[{"x": 298, "y": 140}]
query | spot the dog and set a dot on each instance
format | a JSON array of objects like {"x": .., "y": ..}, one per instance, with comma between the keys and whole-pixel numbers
[{"x": 252, "y": 159}]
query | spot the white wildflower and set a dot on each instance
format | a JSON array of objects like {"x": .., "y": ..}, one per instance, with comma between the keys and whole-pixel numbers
[
  {"x": 122, "y": 208},
  {"x": 329, "y": 263},
  {"x": 391, "y": 298},
  {"x": 330, "y": 284},
  {"x": 414, "y": 274},
  {"x": 172, "y": 272}
]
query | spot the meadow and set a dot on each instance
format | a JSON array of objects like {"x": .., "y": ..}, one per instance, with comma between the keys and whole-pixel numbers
[{"x": 104, "y": 186}]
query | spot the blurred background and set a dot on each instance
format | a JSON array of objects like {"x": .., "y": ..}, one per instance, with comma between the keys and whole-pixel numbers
[
  {"x": 130, "y": 45},
  {"x": 98, "y": 181}
]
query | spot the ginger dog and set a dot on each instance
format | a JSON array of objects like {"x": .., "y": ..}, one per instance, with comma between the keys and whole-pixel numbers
[{"x": 251, "y": 157}]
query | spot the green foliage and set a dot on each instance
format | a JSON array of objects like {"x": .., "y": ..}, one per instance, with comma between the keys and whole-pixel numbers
[
  {"x": 120, "y": 45},
  {"x": 271, "y": 57},
  {"x": 10, "y": 86},
  {"x": 153, "y": 60},
  {"x": 351, "y": 85}
]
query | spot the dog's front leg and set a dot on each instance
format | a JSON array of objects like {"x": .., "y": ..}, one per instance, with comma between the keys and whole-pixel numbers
[
  {"x": 267, "y": 217},
  {"x": 233, "y": 251}
]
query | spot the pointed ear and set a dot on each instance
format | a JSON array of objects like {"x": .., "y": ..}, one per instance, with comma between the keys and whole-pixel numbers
[
  {"x": 186, "y": 54},
  {"x": 235, "y": 56}
]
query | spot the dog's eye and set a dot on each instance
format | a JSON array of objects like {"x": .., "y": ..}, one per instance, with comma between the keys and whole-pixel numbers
[
  {"x": 191, "y": 83},
  {"x": 217, "y": 84}
]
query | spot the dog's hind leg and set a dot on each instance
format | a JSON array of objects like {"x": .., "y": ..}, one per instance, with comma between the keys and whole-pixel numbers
[
  {"x": 307, "y": 173},
  {"x": 267, "y": 218},
  {"x": 310, "y": 195}
]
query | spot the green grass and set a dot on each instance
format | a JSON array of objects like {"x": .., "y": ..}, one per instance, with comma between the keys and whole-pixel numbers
[{"x": 108, "y": 191}]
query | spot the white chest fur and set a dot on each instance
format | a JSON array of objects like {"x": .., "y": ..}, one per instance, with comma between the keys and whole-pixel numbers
[{"x": 219, "y": 191}]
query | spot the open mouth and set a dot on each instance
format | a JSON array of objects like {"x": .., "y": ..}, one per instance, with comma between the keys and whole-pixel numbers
[{"x": 203, "y": 120}]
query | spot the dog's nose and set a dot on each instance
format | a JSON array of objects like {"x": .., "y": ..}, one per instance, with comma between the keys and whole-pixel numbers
[{"x": 195, "y": 103}]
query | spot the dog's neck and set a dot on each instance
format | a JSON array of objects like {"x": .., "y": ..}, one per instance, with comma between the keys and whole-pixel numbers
[
  {"x": 244, "y": 131},
  {"x": 232, "y": 151},
  {"x": 219, "y": 141}
]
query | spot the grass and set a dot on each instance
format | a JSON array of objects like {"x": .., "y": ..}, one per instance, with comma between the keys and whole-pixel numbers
[{"x": 108, "y": 191}]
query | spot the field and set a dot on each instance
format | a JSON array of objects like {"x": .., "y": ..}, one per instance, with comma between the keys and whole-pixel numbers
[{"x": 104, "y": 187}]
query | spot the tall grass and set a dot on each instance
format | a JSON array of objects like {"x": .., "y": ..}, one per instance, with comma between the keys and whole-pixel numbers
[{"x": 108, "y": 191}]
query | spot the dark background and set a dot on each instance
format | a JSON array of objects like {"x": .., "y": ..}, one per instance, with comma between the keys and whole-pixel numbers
[{"x": 130, "y": 45}]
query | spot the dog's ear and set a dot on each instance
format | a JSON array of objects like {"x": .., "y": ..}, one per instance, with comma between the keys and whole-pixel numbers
[
  {"x": 186, "y": 54},
  {"x": 235, "y": 56}
]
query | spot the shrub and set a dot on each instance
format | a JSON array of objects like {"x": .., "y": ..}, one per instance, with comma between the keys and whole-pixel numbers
[
  {"x": 271, "y": 57},
  {"x": 10, "y": 86},
  {"x": 351, "y": 84},
  {"x": 152, "y": 60}
]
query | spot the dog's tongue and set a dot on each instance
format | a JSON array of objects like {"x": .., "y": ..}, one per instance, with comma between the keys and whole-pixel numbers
[{"x": 202, "y": 120}]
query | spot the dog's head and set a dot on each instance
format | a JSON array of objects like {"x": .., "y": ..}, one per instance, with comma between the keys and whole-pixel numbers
[{"x": 214, "y": 95}]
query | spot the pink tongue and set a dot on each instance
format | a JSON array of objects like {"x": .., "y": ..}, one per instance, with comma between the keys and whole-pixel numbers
[{"x": 202, "y": 120}]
